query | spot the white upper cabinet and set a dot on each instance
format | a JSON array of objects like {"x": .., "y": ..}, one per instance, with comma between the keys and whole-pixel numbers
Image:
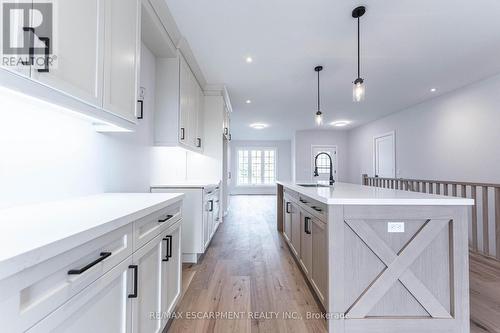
[
  {"x": 121, "y": 56},
  {"x": 180, "y": 103},
  {"x": 78, "y": 48},
  {"x": 17, "y": 38}
]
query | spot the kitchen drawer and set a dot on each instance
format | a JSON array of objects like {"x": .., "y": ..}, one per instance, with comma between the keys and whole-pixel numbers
[
  {"x": 150, "y": 226},
  {"x": 29, "y": 296},
  {"x": 318, "y": 209}
]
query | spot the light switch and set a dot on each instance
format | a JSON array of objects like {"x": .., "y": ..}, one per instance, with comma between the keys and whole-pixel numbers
[{"x": 395, "y": 227}]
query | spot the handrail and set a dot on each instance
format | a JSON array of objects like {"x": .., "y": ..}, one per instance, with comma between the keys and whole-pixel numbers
[{"x": 485, "y": 237}]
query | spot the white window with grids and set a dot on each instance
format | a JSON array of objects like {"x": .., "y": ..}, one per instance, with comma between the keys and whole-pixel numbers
[{"x": 256, "y": 166}]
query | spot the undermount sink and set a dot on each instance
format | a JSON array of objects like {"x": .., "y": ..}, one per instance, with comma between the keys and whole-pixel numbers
[{"x": 312, "y": 185}]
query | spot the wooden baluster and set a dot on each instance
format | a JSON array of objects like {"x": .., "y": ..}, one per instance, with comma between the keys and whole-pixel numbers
[
  {"x": 486, "y": 236},
  {"x": 454, "y": 190},
  {"x": 497, "y": 221},
  {"x": 474, "y": 218}
]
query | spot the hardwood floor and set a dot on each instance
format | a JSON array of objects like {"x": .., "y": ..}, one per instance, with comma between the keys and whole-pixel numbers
[{"x": 248, "y": 268}]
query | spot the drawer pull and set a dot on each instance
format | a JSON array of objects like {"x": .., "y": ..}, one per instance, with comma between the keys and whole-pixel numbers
[
  {"x": 288, "y": 205},
  {"x": 168, "y": 217},
  {"x": 307, "y": 229},
  {"x": 317, "y": 209},
  {"x": 103, "y": 255},
  {"x": 136, "y": 270}
]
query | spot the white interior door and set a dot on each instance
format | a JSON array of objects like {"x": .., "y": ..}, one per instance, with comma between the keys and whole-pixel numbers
[
  {"x": 323, "y": 162},
  {"x": 384, "y": 156}
]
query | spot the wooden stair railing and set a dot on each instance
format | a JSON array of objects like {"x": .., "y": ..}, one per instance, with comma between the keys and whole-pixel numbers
[{"x": 485, "y": 214}]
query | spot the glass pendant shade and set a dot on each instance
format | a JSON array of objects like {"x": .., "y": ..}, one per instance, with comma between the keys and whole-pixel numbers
[
  {"x": 358, "y": 90},
  {"x": 319, "y": 118}
]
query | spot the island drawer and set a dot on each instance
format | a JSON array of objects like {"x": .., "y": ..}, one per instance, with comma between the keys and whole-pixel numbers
[
  {"x": 291, "y": 193},
  {"x": 317, "y": 208},
  {"x": 33, "y": 293},
  {"x": 150, "y": 226}
]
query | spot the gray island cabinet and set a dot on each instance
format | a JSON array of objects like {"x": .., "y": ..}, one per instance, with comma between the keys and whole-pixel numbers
[{"x": 380, "y": 260}]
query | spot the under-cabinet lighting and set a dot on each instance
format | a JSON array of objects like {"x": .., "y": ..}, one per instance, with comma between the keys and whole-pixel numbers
[{"x": 36, "y": 103}]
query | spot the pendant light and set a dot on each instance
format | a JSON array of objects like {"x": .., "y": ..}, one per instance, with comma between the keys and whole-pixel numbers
[
  {"x": 319, "y": 114},
  {"x": 358, "y": 90}
]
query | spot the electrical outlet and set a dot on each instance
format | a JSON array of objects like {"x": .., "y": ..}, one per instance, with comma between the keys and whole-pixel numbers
[{"x": 395, "y": 227}]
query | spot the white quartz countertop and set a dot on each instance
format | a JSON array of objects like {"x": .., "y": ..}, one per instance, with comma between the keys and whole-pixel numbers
[
  {"x": 353, "y": 194},
  {"x": 187, "y": 184},
  {"x": 33, "y": 233}
]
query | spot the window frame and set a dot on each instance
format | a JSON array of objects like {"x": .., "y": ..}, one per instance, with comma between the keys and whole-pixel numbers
[{"x": 262, "y": 169}]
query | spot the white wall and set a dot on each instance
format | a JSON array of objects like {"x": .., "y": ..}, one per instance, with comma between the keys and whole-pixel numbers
[
  {"x": 304, "y": 140},
  {"x": 452, "y": 137},
  {"x": 48, "y": 154},
  {"x": 284, "y": 165}
]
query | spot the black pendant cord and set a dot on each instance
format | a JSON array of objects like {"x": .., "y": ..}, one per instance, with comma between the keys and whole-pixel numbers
[
  {"x": 358, "y": 51},
  {"x": 318, "y": 94}
]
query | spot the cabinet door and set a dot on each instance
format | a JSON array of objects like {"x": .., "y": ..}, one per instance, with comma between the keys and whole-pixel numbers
[
  {"x": 185, "y": 101},
  {"x": 102, "y": 307},
  {"x": 172, "y": 270},
  {"x": 200, "y": 119},
  {"x": 148, "y": 260},
  {"x": 207, "y": 222},
  {"x": 193, "y": 110},
  {"x": 78, "y": 48},
  {"x": 319, "y": 275},
  {"x": 296, "y": 230},
  {"x": 287, "y": 216},
  {"x": 17, "y": 38},
  {"x": 306, "y": 246},
  {"x": 121, "y": 56}
]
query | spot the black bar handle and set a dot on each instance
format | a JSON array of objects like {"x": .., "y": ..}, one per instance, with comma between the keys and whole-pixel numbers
[
  {"x": 317, "y": 209},
  {"x": 168, "y": 217},
  {"x": 169, "y": 240},
  {"x": 211, "y": 206},
  {"x": 288, "y": 210},
  {"x": 198, "y": 144},
  {"x": 307, "y": 221},
  {"x": 103, "y": 255},
  {"x": 136, "y": 274},
  {"x": 45, "y": 69},
  {"x": 141, "y": 115},
  {"x": 169, "y": 252},
  {"x": 183, "y": 133}
]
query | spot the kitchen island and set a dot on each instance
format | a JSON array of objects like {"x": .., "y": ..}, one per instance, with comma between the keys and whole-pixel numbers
[{"x": 380, "y": 260}]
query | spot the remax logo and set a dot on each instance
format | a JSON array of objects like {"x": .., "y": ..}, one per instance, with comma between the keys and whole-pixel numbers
[{"x": 27, "y": 33}]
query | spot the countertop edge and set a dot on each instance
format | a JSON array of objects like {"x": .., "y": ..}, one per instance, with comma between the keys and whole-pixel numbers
[
  {"x": 22, "y": 261},
  {"x": 437, "y": 201}
]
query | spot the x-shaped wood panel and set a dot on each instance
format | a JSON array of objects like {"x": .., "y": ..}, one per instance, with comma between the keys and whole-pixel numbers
[{"x": 397, "y": 268}]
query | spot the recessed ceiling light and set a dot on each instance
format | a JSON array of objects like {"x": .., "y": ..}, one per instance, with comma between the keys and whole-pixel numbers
[
  {"x": 249, "y": 60},
  {"x": 433, "y": 89},
  {"x": 248, "y": 101},
  {"x": 258, "y": 125},
  {"x": 340, "y": 123}
]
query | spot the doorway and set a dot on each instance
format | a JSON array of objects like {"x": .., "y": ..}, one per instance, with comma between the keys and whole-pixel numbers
[{"x": 384, "y": 155}]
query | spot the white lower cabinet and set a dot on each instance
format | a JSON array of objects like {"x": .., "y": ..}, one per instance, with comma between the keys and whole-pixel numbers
[
  {"x": 102, "y": 307},
  {"x": 131, "y": 296},
  {"x": 171, "y": 281},
  {"x": 146, "y": 294},
  {"x": 296, "y": 230},
  {"x": 319, "y": 274},
  {"x": 201, "y": 216},
  {"x": 287, "y": 219},
  {"x": 306, "y": 242}
]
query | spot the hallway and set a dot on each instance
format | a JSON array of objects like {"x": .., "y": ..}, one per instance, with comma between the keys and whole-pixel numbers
[{"x": 248, "y": 268}]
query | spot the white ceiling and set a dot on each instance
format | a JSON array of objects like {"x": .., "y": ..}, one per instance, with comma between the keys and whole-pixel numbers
[{"x": 408, "y": 47}]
